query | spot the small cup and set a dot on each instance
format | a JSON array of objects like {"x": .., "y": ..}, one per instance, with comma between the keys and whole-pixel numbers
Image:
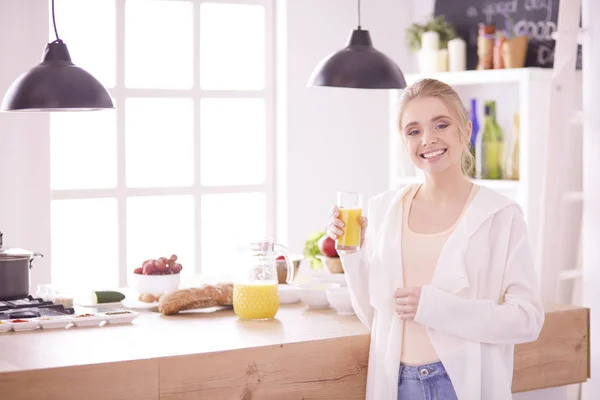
[
  {"x": 350, "y": 207},
  {"x": 46, "y": 292}
]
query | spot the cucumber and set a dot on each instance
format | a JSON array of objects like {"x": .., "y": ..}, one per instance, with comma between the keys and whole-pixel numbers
[{"x": 105, "y": 296}]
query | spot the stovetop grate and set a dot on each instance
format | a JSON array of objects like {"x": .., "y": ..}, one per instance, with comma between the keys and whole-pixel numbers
[{"x": 31, "y": 307}]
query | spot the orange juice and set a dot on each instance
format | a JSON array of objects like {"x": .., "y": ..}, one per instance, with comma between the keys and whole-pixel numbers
[
  {"x": 350, "y": 239},
  {"x": 256, "y": 300}
]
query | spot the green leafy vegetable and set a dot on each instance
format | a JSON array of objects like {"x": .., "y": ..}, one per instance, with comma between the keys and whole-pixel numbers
[
  {"x": 311, "y": 249},
  {"x": 438, "y": 24}
]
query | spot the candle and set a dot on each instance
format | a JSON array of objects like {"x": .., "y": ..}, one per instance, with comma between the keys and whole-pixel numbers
[
  {"x": 457, "y": 54},
  {"x": 430, "y": 40},
  {"x": 442, "y": 60},
  {"x": 428, "y": 61}
]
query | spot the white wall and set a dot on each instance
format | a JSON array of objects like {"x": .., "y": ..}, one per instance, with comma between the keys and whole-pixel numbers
[
  {"x": 24, "y": 203},
  {"x": 337, "y": 139}
]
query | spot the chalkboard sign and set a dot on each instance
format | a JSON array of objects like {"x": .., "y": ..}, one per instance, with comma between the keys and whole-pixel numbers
[{"x": 536, "y": 19}]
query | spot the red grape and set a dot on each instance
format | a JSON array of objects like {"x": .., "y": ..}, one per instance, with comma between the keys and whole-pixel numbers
[
  {"x": 177, "y": 268},
  {"x": 160, "y": 265},
  {"x": 148, "y": 268},
  {"x": 164, "y": 259}
]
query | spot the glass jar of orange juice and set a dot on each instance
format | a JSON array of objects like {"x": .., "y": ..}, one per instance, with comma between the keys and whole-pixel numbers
[{"x": 255, "y": 291}]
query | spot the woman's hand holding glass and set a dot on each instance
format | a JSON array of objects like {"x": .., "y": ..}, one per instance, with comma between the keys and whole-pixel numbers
[{"x": 336, "y": 227}]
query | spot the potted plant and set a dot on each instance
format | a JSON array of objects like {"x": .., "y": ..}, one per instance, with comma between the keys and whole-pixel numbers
[
  {"x": 431, "y": 59},
  {"x": 437, "y": 24}
]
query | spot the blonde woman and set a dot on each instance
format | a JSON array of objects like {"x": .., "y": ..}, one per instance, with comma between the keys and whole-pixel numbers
[{"x": 444, "y": 277}]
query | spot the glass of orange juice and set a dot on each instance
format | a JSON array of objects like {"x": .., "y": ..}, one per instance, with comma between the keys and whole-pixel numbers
[{"x": 350, "y": 206}]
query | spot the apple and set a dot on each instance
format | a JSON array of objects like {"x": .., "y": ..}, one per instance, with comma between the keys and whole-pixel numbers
[{"x": 327, "y": 246}]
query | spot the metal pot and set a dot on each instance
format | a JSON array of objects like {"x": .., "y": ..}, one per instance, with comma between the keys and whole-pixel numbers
[{"x": 15, "y": 265}]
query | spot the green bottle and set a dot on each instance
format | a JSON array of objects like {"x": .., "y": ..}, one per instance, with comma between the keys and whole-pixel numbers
[{"x": 491, "y": 144}]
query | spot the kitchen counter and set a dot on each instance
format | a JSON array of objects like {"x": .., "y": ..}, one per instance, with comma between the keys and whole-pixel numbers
[{"x": 317, "y": 354}]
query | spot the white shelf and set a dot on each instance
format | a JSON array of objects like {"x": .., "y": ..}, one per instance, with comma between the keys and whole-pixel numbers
[
  {"x": 496, "y": 184},
  {"x": 488, "y": 76},
  {"x": 573, "y": 196},
  {"x": 577, "y": 118},
  {"x": 570, "y": 274}
]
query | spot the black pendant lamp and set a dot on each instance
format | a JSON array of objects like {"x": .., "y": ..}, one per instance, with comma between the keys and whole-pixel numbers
[
  {"x": 359, "y": 65},
  {"x": 56, "y": 84}
]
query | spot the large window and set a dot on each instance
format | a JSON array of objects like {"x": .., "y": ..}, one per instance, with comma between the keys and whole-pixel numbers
[{"x": 185, "y": 163}]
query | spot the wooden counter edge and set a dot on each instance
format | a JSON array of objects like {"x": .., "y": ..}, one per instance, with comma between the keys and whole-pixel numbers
[
  {"x": 561, "y": 354},
  {"x": 123, "y": 380},
  {"x": 559, "y": 357}
]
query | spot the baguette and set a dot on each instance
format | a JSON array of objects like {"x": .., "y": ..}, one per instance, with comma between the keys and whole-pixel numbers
[{"x": 194, "y": 298}]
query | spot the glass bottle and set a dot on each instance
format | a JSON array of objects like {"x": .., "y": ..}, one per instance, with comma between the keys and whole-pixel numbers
[
  {"x": 491, "y": 144},
  {"x": 512, "y": 156},
  {"x": 473, "y": 142}
]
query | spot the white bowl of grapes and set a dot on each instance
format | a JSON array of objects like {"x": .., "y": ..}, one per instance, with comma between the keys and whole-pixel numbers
[{"x": 156, "y": 276}]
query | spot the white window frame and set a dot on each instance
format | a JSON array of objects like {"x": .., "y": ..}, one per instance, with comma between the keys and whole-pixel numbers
[{"x": 120, "y": 93}]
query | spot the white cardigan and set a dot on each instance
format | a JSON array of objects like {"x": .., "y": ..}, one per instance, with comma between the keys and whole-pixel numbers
[{"x": 483, "y": 300}]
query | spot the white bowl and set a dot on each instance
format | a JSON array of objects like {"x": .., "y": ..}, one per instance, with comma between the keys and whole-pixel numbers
[
  {"x": 30, "y": 325},
  {"x": 288, "y": 294},
  {"x": 5, "y": 326},
  {"x": 327, "y": 278},
  {"x": 314, "y": 296},
  {"x": 154, "y": 284},
  {"x": 120, "y": 316},
  {"x": 339, "y": 298},
  {"x": 54, "y": 322},
  {"x": 93, "y": 320}
]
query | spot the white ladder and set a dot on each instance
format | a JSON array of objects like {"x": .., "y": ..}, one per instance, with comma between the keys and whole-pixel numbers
[
  {"x": 591, "y": 186},
  {"x": 570, "y": 247},
  {"x": 560, "y": 223}
]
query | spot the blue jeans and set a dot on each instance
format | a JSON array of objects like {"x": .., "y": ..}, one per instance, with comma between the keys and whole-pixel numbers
[{"x": 425, "y": 382}]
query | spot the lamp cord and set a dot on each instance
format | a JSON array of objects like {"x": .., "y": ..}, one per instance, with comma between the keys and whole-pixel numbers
[
  {"x": 358, "y": 14},
  {"x": 54, "y": 24}
]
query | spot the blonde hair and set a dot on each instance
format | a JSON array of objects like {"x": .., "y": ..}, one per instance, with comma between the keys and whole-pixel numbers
[{"x": 443, "y": 91}]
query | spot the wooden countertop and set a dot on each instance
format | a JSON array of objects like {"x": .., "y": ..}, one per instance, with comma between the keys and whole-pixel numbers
[
  {"x": 176, "y": 357},
  {"x": 153, "y": 335}
]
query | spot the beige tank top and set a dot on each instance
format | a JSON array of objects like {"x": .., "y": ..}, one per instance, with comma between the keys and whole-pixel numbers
[{"x": 420, "y": 253}]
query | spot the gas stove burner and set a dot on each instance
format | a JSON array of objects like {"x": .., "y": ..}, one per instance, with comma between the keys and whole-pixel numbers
[
  {"x": 26, "y": 302},
  {"x": 31, "y": 307},
  {"x": 24, "y": 314}
]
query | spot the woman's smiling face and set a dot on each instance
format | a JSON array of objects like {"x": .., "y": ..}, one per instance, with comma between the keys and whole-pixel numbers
[{"x": 431, "y": 135}]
